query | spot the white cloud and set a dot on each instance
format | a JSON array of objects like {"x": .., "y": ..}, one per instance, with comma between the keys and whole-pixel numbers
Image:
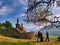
[
  {"x": 23, "y": 2},
  {"x": 22, "y": 15},
  {"x": 5, "y": 10},
  {"x": 31, "y": 27},
  {"x": 57, "y": 15}
]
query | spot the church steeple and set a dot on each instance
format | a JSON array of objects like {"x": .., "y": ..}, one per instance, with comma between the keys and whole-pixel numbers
[
  {"x": 20, "y": 27},
  {"x": 17, "y": 24},
  {"x": 17, "y": 20}
]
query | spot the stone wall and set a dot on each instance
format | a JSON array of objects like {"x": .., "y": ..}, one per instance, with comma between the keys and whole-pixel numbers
[
  {"x": 27, "y": 35},
  {"x": 24, "y": 35}
]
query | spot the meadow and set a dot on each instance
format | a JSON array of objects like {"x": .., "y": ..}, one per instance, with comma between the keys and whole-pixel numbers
[{"x": 13, "y": 41}]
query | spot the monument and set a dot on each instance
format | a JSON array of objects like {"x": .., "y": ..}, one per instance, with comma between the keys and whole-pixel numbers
[
  {"x": 21, "y": 33},
  {"x": 19, "y": 27}
]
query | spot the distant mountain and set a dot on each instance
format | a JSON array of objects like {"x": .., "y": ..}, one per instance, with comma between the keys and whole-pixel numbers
[{"x": 53, "y": 30}]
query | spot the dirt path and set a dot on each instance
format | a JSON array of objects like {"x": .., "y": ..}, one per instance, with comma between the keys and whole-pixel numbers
[
  {"x": 44, "y": 43},
  {"x": 52, "y": 42}
]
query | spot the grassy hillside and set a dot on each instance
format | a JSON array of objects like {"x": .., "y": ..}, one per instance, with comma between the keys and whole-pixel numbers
[{"x": 13, "y": 41}]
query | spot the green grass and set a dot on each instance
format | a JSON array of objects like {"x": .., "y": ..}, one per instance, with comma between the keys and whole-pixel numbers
[
  {"x": 19, "y": 43},
  {"x": 13, "y": 41}
]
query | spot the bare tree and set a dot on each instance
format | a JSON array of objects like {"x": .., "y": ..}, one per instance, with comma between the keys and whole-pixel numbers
[{"x": 39, "y": 10}]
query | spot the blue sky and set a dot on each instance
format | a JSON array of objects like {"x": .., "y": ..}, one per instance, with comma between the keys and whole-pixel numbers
[{"x": 12, "y": 9}]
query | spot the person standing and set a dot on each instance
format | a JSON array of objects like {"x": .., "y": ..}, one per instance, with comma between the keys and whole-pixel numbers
[
  {"x": 41, "y": 37},
  {"x": 38, "y": 36},
  {"x": 47, "y": 36}
]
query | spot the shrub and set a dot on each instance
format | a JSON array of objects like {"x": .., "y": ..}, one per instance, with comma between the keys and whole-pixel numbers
[{"x": 58, "y": 39}]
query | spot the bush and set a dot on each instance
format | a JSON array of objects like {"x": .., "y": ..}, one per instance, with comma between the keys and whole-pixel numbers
[{"x": 58, "y": 39}]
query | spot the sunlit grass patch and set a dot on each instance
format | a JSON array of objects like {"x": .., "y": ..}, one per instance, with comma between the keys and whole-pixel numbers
[{"x": 18, "y": 43}]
